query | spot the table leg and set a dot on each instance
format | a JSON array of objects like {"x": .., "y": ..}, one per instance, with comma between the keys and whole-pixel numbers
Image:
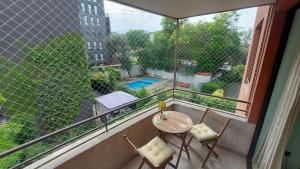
[
  {"x": 179, "y": 155},
  {"x": 185, "y": 145},
  {"x": 162, "y": 136}
]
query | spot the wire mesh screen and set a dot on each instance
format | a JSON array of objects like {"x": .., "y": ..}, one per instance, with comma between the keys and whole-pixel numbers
[
  {"x": 211, "y": 59},
  {"x": 60, "y": 59}
]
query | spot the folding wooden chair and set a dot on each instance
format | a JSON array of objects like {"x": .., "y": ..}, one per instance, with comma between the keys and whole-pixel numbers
[
  {"x": 156, "y": 153},
  {"x": 206, "y": 135}
]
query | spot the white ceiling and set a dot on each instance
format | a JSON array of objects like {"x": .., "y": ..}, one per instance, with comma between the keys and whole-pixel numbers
[{"x": 188, "y": 8}]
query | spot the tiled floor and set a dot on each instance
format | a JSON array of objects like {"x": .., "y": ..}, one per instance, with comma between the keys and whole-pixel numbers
[{"x": 226, "y": 160}]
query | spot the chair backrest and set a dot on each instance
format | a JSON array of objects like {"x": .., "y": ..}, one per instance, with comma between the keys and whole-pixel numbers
[
  {"x": 215, "y": 118},
  {"x": 131, "y": 143}
]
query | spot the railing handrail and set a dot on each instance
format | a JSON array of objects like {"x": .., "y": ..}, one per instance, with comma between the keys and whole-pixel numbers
[
  {"x": 204, "y": 94},
  {"x": 27, "y": 144}
]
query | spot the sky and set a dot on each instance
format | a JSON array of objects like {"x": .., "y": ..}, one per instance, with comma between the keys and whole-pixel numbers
[{"x": 124, "y": 18}]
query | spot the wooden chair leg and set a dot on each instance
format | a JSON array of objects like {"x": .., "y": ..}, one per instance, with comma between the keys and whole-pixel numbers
[
  {"x": 163, "y": 166},
  {"x": 208, "y": 154},
  {"x": 141, "y": 165},
  {"x": 214, "y": 152}
]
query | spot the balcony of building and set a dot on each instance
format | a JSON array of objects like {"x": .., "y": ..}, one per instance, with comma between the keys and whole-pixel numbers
[
  {"x": 106, "y": 147},
  {"x": 69, "y": 94}
]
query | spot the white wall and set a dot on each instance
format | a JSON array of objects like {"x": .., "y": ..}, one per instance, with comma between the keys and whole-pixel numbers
[
  {"x": 135, "y": 71},
  {"x": 196, "y": 80}
]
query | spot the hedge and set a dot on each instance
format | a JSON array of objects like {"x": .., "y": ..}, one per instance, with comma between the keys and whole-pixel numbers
[
  {"x": 218, "y": 92},
  {"x": 210, "y": 87},
  {"x": 100, "y": 83},
  {"x": 2, "y": 99},
  {"x": 209, "y": 101}
]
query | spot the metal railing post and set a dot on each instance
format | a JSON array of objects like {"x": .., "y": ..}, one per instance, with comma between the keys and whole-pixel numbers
[
  {"x": 106, "y": 126},
  {"x": 175, "y": 57}
]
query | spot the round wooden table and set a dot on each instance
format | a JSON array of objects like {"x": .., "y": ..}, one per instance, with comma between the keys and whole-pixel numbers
[{"x": 175, "y": 123}]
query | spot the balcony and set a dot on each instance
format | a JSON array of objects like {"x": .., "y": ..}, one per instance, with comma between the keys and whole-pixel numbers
[
  {"x": 106, "y": 147},
  {"x": 76, "y": 77}
]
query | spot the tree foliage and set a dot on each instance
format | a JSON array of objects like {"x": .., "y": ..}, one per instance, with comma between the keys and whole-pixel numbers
[
  {"x": 117, "y": 44},
  {"x": 210, "y": 87},
  {"x": 113, "y": 72},
  {"x": 105, "y": 81},
  {"x": 209, "y": 44},
  {"x": 137, "y": 39},
  {"x": 212, "y": 44},
  {"x": 2, "y": 99},
  {"x": 20, "y": 90},
  {"x": 209, "y": 101},
  {"x": 126, "y": 63},
  {"x": 234, "y": 75},
  {"x": 44, "y": 92},
  {"x": 159, "y": 53},
  {"x": 53, "y": 78}
]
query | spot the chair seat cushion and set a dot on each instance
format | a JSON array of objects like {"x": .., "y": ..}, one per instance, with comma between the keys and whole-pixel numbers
[
  {"x": 202, "y": 132},
  {"x": 156, "y": 151}
]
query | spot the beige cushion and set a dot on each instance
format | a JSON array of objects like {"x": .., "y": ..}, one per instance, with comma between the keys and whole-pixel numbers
[
  {"x": 156, "y": 151},
  {"x": 203, "y": 132}
]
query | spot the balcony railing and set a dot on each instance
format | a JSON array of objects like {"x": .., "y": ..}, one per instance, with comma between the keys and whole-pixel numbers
[
  {"x": 107, "y": 125},
  {"x": 57, "y": 60}
]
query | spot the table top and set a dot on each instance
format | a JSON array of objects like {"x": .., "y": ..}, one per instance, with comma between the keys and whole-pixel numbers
[{"x": 175, "y": 123}]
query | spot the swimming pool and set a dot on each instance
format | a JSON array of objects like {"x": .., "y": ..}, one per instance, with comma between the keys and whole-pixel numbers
[{"x": 145, "y": 82}]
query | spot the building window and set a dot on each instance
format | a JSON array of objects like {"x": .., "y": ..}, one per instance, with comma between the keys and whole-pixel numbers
[
  {"x": 92, "y": 21},
  {"x": 89, "y": 45},
  {"x": 82, "y": 7},
  {"x": 98, "y": 21},
  {"x": 102, "y": 58},
  {"x": 96, "y": 10},
  {"x": 94, "y": 0},
  {"x": 96, "y": 57},
  {"x": 100, "y": 45},
  {"x": 95, "y": 45},
  {"x": 253, "y": 52},
  {"x": 90, "y": 8},
  {"x": 86, "y": 20}
]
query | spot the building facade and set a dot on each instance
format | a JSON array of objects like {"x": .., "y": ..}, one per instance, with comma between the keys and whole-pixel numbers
[
  {"x": 95, "y": 30},
  {"x": 25, "y": 23},
  {"x": 254, "y": 57}
]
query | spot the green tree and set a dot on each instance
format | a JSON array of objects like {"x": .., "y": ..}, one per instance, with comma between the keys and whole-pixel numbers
[
  {"x": 44, "y": 92},
  {"x": 101, "y": 82},
  {"x": 2, "y": 99},
  {"x": 141, "y": 94},
  {"x": 159, "y": 54},
  {"x": 117, "y": 44},
  {"x": 19, "y": 87},
  {"x": 238, "y": 71},
  {"x": 235, "y": 75},
  {"x": 209, "y": 44},
  {"x": 113, "y": 72},
  {"x": 137, "y": 39},
  {"x": 216, "y": 42},
  {"x": 126, "y": 63},
  {"x": 8, "y": 133}
]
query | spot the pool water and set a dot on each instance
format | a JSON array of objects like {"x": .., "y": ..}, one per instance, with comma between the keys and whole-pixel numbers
[{"x": 145, "y": 82}]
